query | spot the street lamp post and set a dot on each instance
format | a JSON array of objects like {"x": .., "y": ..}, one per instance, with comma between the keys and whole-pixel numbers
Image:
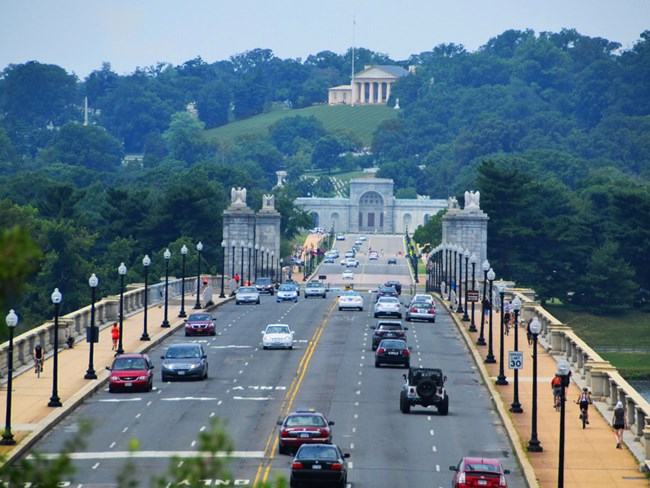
[
  {"x": 490, "y": 356},
  {"x": 472, "y": 259},
  {"x": 452, "y": 280},
  {"x": 199, "y": 248},
  {"x": 55, "y": 401},
  {"x": 232, "y": 265},
  {"x": 242, "y": 244},
  {"x": 481, "y": 337},
  {"x": 7, "y": 436},
  {"x": 223, "y": 271},
  {"x": 121, "y": 269},
  {"x": 534, "y": 444},
  {"x": 447, "y": 270},
  {"x": 146, "y": 261},
  {"x": 466, "y": 256},
  {"x": 266, "y": 266},
  {"x": 257, "y": 248},
  {"x": 459, "y": 287},
  {"x": 92, "y": 334},
  {"x": 501, "y": 379},
  {"x": 563, "y": 371},
  {"x": 515, "y": 406},
  {"x": 250, "y": 248},
  {"x": 281, "y": 266},
  {"x": 184, "y": 254},
  {"x": 167, "y": 255},
  {"x": 272, "y": 265},
  {"x": 416, "y": 262}
]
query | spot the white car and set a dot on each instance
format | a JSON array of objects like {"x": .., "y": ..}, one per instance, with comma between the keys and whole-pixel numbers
[
  {"x": 340, "y": 237},
  {"x": 351, "y": 299},
  {"x": 348, "y": 274},
  {"x": 388, "y": 306},
  {"x": 373, "y": 256},
  {"x": 362, "y": 238},
  {"x": 247, "y": 294},
  {"x": 351, "y": 262},
  {"x": 423, "y": 297},
  {"x": 277, "y": 336}
]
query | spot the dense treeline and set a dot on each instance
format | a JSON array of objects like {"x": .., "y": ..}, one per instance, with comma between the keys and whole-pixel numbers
[{"x": 551, "y": 128}]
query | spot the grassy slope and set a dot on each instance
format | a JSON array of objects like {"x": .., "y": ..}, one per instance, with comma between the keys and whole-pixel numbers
[{"x": 362, "y": 120}]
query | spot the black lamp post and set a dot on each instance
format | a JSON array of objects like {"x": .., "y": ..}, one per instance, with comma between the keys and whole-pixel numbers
[
  {"x": 55, "y": 401},
  {"x": 490, "y": 356},
  {"x": 232, "y": 266},
  {"x": 281, "y": 266},
  {"x": 167, "y": 255},
  {"x": 92, "y": 334},
  {"x": 250, "y": 248},
  {"x": 184, "y": 254},
  {"x": 501, "y": 379},
  {"x": 257, "y": 248},
  {"x": 481, "y": 336},
  {"x": 121, "y": 269},
  {"x": 7, "y": 436},
  {"x": 266, "y": 266},
  {"x": 466, "y": 256},
  {"x": 534, "y": 444},
  {"x": 223, "y": 271},
  {"x": 273, "y": 266},
  {"x": 146, "y": 261},
  {"x": 563, "y": 371},
  {"x": 515, "y": 406},
  {"x": 199, "y": 248},
  {"x": 447, "y": 271},
  {"x": 304, "y": 277},
  {"x": 242, "y": 244},
  {"x": 453, "y": 280},
  {"x": 459, "y": 287},
  {"x": 472, "y": 259}
]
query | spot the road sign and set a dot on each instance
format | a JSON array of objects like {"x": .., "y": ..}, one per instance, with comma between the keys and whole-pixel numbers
[
  {"x": 472, "y": 295},
  {"x": 515, "y": 360}
]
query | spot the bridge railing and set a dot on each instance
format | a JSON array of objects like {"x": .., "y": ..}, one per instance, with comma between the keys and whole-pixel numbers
[{"x": 603, "y": 379}]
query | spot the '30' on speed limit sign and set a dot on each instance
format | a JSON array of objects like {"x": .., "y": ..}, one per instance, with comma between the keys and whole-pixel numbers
[{"x": 515, "y": 359}]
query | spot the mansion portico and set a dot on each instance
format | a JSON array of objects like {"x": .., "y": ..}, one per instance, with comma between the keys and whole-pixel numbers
[{"x": 370, "y": 86}]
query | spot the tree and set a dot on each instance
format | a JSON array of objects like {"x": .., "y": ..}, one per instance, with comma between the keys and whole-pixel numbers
[
  {"x": 431, "y": 232},
  {"x": 184, "y": 138},
  {"x": 326, "y": 153}
]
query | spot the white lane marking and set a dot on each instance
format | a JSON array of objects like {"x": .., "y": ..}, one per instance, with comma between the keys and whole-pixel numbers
[
  {"x": 252, "y": 398},
  {"x": 246, "y": 363},
  {"x": 119, "y": 400},
  {"x": 149, "y": 403},
  {"x": 138, "y": 416},
  {"x": 431, "y": 432},
  {"x": 352, "y": 445},
  {"x": 202, "y": 428},
  {"x": 102, "y": 455},
  {"x": 218, "y": 403},
  {"x": 212, "y": 414},
  {"x": 359, "y": 383},
  {"x": 434, "y": 449},
  {"x": 429, "y": 418},
  {"x": 354, "y": 430},
  {"x": 437, "y": 467},
  {"x": 193, "y": 444},
  {"x": 356, "y": 404},
  {"x": 231, "y": 346},
  {"x": 241, "y": 371},
  {"x": 112, "y": 445},
  {"x": 124, "y": 430},
  {"x": 356, "y": 415},
  {"x": 350, "y": 465},
  {"x": 180, "y": 464},
  {"x": 181, "y": 399},
  {"x": 95, "y": 465}
]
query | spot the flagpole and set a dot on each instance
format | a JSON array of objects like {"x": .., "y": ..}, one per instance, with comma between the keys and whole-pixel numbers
[{"x": 354, "y": 23}]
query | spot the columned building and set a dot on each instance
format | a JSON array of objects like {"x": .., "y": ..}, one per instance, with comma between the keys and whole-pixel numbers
[
  {"x": 370, "y": 86},
  {"x": 371, "y": 208}
]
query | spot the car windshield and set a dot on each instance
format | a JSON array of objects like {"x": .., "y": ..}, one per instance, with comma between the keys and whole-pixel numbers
[
  {"x": 183, "y": 352},
  {"x": 391, "y": 300},
  {"x": 434, "y": 374},
  {"x": 421, "y": 305},
  {"x": 247, "y": 289},
  {"x": 483, "y": 467},
  {"x": 126, "y": 364},
  {"x": 263, "y": 281},
  {"x": 390, "y": 327},
  {"x": 387, "y": 289},
  {"x": 315, "y": 285},
  {"x": 277, "y": 329},
  {"x": 350, "y": 294},
  {"x": 326, "y": 453},
  {"x": 198, "y": 317},
  {"x": 287, "y": 288},
  {"x": 305, "y": 420}
]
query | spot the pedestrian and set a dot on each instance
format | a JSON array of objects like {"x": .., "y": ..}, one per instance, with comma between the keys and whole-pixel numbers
[
  {"x": 529, "y": 333},
  {"x": 115, "y": 335},
  {"x": 236, "y": 277},
  {"x": 486, "y": 306},
  {"x": 619, "y": 421},
  {"x": 506, "y": 319}
]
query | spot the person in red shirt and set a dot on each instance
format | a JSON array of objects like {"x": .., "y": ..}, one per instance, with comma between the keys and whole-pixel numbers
[{"x": 115, "y": 335}]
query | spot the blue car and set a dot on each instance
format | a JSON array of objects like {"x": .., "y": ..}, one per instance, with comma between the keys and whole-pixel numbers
[{"x": 286, "y": 292}]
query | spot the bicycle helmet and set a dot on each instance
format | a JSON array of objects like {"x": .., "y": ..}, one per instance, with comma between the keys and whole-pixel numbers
[
  {"x": 585, "y": 390},
  {"x": 38, "y": 346}
]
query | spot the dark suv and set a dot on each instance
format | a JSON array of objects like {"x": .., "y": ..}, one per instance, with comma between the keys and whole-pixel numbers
[
  {"x": 264, "y": 285},
  {"x": 387, "y": 329},
  {"x": 395, "y": 284},
  {"x": 424, "y": 386}
]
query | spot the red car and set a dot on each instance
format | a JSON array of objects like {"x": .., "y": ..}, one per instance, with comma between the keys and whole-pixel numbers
[
  {"x": 303, "y": 427},
  {"x": 200, "y": 324},
  {"x": 479, "y": 472},
  {"x": 131, "y": 372}
]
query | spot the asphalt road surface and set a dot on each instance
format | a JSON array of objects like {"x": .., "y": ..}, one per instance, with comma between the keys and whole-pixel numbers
[{"x": 331, "y": 369}]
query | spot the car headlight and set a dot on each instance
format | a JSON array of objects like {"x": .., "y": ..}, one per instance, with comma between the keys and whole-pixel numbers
[
  {"x": 142, "y": 378},
  {"x": 115, "y": 378},
  {"x": 167, "y": 366}
]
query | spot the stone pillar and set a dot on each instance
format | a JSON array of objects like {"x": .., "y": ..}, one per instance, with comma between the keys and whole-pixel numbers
[
  {"x": 363, "y": 92},
  {"x": 380, "y": 92},
  {"x": 238, "y": 227},
  {"x": 613, "y": 394},
  {"x": 467, "y": 227},
  {"x": 630, "y": 410},
  {"x": 372, "y": 92},
  {"x": 267, "y": 232},
  {"x": 646, "y": 439},
  {"x": 557, "y": 333},
  {"x": 640, "y": 423},
  {"x": 597, "y": 378},
  {"x": 388, "y": 85}
]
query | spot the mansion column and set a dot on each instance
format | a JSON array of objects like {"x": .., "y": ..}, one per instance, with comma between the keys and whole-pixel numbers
[
  {"x": 380, "y": 94},
  {"x": 372, "y": 92},
  {"x": 363, "y": 92},
  {"x": 388, "y": 85}
]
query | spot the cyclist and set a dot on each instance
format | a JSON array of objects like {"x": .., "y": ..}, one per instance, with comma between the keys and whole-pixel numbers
[
  {"x": 38, "y": 358},
  {"x": 584, "y": 400},
  {"x": 556, "y": 385}
]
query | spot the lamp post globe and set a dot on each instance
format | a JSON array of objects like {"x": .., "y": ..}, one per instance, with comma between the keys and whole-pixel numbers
[
  {"x": 55, "y": 401},
  {"x": 501, "y": 379},
  {"x": 7, "y": 435},
  {"x": 281, "y": 269},
  {"x": 184, "y": 255},
  {"x": 121, "y": 270},
  {"x": 146, "y": 262},
  {"x": 490, "y": 356},
  {"x": 223, "y": 270},
  {"x": 92, "y": 333},
  {"x": 533, "y": 444},
  {"x": 481, "y": 336}
]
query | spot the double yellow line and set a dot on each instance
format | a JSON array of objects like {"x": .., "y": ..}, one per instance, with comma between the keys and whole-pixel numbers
[{"x": 272, "y": 442}]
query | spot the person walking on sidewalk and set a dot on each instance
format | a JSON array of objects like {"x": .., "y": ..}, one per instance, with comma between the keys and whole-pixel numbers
[
  {"x": 115, "y": 335},
  {"x": 619, "y": 421}
]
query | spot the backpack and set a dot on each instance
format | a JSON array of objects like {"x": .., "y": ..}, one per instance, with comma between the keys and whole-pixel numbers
[{"x": 556, "y": 381}]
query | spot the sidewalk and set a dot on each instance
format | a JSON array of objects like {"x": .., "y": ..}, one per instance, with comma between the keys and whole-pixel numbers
[
  {"x": 31, "y": 417},
  {"x": 591, "y": 458}
]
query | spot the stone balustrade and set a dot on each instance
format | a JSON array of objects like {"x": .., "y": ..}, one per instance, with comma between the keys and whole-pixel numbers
[{"x": 604, "y": 381}]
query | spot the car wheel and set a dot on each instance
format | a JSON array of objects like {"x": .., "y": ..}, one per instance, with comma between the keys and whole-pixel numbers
[
  {"x": 163, "y": 378},
  {"x": 340, "y": 309},
  {"x": 408, "y": 319},
  {"x": 360, "y": 309},
  {"x": 290, "y": 347},
  {"x": 257, "y": 302},
  {"x": 187, "y": 334},
  {"x": 264, "y": 347},
  {"x": 111, "y": 389},
  {"x": 399, "y": 315},
  {"x": 376, "y": 315},
  {"x": 374, "y": 348},
  {"x": 434, "y": 321},
  {"x": 324, "y": 297},
  {"x": 236, "y": 302},
  {"x": 404, "y": 405},
  {"x": 443, "y": 408},
  {"x": 205, "y": 375},
  {"x": 213, "y": 333},
  {"x": 407, "y": 365},
  {"x": 282, "y": 449}
]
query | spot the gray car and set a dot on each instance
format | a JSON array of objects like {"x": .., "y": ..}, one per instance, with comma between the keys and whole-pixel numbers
[
  {"x": 247, "y": 294},
  {"x": 315, "y": 289},
  {"x": 187, "y": 360}
]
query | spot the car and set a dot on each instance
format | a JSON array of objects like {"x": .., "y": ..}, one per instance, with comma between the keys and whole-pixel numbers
[
  {"x": 388, "y": 306},
  {"x": 392, "y": 260},
  {"x": 363, "y": 238},
  {"x": 351, "y": 299},
  {"x": 185, "y": 360},
  {"x": 328, "y": 260},
  {"x": 425, "y": 387},
  {"x": 358, "y": 242},
  {"x": 387, "y": 329},
  {"x": 319, "y": 464},
  {"x": 333, "y": 253},
  {"x": 247, "y": 294},
  {"x": 393, "y": 351},
  {"x": 423, "y": 297},
  {"x": 130, "y": 372},
  {"x": 315, "y": 289},
  {"x": 421, "y": 311},
  {"x": 304, "y": 426},
  {"x": 278, "y": 336},
  {"x": 201, "y": 323},
  {"x": 351, "y": 262},
  {"x": 286, "y": 292},
  {"x": 348, "y": 274},
  {"x": 349, "y": 254},
  {"x": 264, "y": 285},
  {"x": 386, "y": 291},
  {"x": 293, "y": 283},
  {"x": 479, "y": 471},
  {"x": 395, "y": 284},
  {"x": 373, "y": 256},
  {"x": 340, "y": 237}
]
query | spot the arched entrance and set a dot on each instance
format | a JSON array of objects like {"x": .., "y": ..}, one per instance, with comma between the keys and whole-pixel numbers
[
  {"x": 335, "y": 219},
  {"x": 371, "y": 212},
  {"x": 316, "y": 219},
  {"x": 407, "y": 223}
]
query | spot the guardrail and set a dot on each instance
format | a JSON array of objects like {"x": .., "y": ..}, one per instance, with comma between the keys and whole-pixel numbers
[{"x": 603, "y": 379}]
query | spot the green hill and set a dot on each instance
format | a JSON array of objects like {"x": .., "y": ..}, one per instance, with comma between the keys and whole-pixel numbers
[{"x": 362, "y": 120}]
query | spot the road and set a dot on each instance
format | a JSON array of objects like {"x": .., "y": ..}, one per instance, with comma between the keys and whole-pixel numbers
[{"x": 331, "y": 369}]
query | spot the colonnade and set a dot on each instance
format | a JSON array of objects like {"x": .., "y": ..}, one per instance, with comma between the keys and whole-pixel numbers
[{"x": 371, "y": 92}]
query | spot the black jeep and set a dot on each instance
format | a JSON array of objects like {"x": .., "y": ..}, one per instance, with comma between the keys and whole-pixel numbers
[{"x": 424, "y": 386}]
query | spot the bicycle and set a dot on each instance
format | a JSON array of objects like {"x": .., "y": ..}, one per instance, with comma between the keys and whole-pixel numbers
[
  {"x": 557, "y": 395},
  {"x": 38, "y": 367},
  {"x": 584, "y": 414}
]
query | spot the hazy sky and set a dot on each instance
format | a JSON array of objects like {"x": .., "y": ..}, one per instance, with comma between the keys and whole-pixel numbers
[{"x": 79, "y": 35}]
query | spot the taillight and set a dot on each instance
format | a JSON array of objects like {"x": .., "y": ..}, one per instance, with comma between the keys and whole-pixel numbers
[
  {"x": 336, "y": 466},
  {"x": 324, "y": 433},
  {"x": 406, "y": 352},
  {"x": 296, "y": 465},
  {"x": 284, "y": 432},
  {"x": 412, "y": 310},
  {"x": 502, "y": 481},
  {"x": 432, "y": 311},
  {"x": 380, "y": 351}
]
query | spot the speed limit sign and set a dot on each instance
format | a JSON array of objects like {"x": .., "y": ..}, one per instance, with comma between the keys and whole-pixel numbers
[{"x": 515, "y": 360}]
